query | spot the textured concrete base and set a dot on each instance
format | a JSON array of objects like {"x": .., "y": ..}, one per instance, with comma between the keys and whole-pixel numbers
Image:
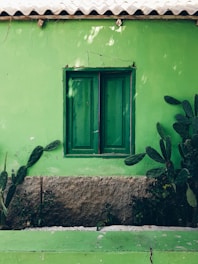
[{"x": 75, "y": 201}]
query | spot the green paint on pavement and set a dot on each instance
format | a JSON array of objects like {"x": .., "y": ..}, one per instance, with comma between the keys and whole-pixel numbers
[
  {"x": 92, "y": 241},
  {"x": 98, "y": 258}
]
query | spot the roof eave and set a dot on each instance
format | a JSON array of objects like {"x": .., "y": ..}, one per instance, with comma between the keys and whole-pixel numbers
[{"x": 93, "y": 17}]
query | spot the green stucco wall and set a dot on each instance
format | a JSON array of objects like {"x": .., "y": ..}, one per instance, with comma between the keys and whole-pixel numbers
[{"x": 31, "y": 88}]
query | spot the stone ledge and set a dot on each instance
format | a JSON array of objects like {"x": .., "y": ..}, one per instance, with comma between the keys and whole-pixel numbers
[{"x": 74, "y": 201}]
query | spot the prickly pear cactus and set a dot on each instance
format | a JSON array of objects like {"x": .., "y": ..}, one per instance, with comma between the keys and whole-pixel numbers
[
  {"x": 35, "y": 156},
  {"x": 10, "y": 194},
  {"x": 134, "y": 159},
  {"x": 53, "y": 145},
  {"x": 191, "y": 198},
  {"x": 19, "y": 177},
  {"x": 4, "y": 176},
  {"x": 21, "y": 174},
  {"x": 3, "y": 180}
]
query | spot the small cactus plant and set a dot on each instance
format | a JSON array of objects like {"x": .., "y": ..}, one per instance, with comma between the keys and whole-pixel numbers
[{"x": 19, "y": 177}]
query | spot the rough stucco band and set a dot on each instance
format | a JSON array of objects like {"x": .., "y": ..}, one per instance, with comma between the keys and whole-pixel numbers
[{"x": 74, "y": 201}]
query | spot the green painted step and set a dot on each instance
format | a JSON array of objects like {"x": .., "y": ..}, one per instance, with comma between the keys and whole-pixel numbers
[
  {"x": 98, "y": 258},
  {"x": 93, "y": 241}
]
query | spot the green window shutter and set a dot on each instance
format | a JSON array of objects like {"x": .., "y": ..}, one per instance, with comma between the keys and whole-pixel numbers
[
  {"x": 98, "y": 112},
  {"x": 115, "y": 113},
  {"x": 82, "y": 113}
]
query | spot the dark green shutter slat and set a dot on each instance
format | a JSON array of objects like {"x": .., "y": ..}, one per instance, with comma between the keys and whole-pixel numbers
[
  {"x": 112, "y": 112},
  {"x": 82, "y": 98},
  {"x": 115, "y": 113}
]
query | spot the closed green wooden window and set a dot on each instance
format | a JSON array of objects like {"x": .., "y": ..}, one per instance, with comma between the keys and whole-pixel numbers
[{"x": 98, "y": 116}]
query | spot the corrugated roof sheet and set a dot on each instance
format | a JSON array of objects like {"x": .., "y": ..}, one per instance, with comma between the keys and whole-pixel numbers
[{"x": 98, "y": 7}]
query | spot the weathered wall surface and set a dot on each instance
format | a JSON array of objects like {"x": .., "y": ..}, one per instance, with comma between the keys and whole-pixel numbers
[
  {"x": 75, "y": 201},
  {"x": 31, "y": 90}
]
